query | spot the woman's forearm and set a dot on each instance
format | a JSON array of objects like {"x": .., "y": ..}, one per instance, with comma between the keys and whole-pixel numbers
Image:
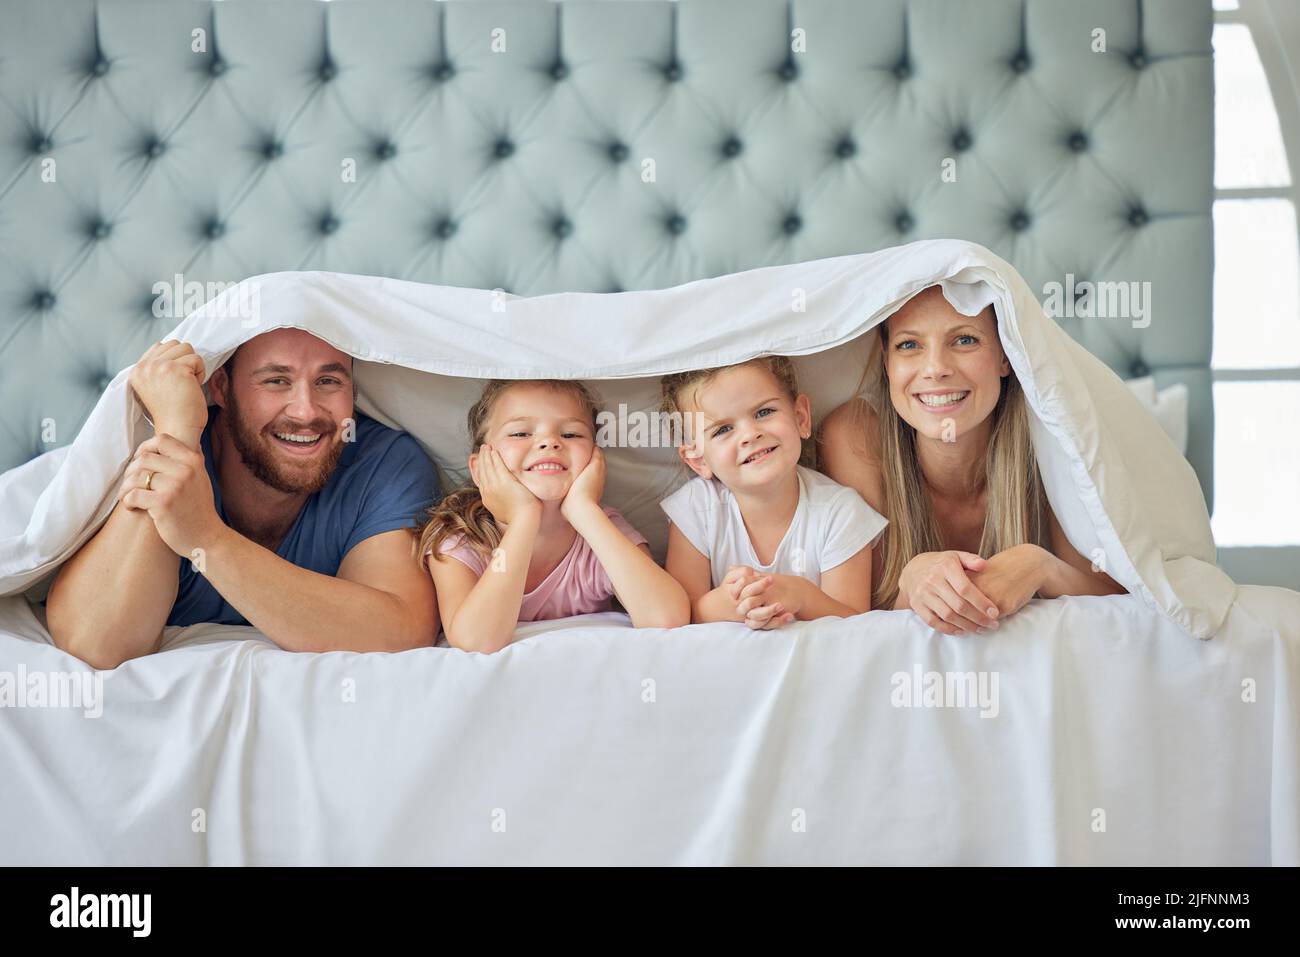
[{"x": 1061, "y": 578}]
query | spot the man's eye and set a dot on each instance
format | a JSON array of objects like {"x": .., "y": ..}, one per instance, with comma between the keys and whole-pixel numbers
[
  {"x": 280, "y": 380},
  {"x": 329, "y": 380}
]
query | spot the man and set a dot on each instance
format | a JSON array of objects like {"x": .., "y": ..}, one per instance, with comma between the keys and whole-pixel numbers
[{"x": 281, "y": 507}]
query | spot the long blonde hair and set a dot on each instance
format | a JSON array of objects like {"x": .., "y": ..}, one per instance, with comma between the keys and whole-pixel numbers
[
  {"x": 674, "y": 386},
  {"x": 1015, "y": 503},
  {"x": 461, "y": 511}
]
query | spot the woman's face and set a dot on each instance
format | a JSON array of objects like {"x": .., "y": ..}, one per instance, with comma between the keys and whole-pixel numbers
[
  {"x": 945, "y": 370},
  {"x": 544, "y": 437}
]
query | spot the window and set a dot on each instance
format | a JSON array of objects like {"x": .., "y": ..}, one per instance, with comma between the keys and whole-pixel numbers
[{"x": 1256, "y": 360}]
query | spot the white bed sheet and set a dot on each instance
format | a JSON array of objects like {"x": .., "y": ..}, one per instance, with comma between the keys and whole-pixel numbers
[{"x": 1102, "y": 703}]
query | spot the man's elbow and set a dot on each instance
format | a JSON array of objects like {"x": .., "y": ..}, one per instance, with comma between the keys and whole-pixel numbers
[{"x": 92, "y": 646}]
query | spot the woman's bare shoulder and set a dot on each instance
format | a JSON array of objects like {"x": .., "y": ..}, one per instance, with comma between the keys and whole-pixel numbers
[{"x": 853, "y": 427}]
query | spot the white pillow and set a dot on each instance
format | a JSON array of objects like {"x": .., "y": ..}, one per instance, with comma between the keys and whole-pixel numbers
[{"x": 1169, "y": 406}]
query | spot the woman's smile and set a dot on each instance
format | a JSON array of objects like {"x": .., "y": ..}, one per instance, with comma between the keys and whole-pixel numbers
[{"x": 947, "y": 401}]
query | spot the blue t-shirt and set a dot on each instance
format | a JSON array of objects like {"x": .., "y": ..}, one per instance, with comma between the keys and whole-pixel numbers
[{"x": 382, "y": 481}]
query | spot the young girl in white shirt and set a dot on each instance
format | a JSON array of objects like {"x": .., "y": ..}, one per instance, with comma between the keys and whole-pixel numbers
[{"x": 756, "y": 536}]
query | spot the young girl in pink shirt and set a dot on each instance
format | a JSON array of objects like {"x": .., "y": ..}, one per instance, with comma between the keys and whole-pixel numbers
[{"x": 529, "y": 540}]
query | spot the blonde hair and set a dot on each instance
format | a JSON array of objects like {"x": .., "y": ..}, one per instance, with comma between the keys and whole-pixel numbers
[
  {"x": 675, "y": 385},
  {"x": 1015, "y": 507},
  {"x": 461, "y": 511}
]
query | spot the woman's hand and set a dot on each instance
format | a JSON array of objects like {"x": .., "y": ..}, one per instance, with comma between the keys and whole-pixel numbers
[
  {"x": 939, "y": 589},
  {"x": 1012, "y": 577},
  {"x": 504, "y": 495},
  {"x": 588, "y": 487}
]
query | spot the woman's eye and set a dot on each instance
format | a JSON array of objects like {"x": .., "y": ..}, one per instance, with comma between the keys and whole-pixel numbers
[
  {"x": 967, "y": 341},
  {"x": 905, "y": 345}
]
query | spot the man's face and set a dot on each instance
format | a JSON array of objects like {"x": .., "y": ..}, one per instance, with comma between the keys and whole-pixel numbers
[{"x": 286, "y": 402}]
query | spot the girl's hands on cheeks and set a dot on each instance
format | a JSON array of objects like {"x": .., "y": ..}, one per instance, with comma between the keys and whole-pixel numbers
[
  {"x": 939, "y": 589},
  {"x": 504, "y": 495},
  {"x": 588, "y": 487}
]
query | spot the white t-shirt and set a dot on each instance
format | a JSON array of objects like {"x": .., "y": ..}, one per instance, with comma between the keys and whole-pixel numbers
[{"x": 831, "y": 524}]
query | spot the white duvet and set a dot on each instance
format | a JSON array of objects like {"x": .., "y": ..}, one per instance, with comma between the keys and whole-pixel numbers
[{"x": 1086, "y": 730}]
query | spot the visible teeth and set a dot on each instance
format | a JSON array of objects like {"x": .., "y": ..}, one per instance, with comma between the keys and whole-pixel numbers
[
  {"x": 547, "y": 467},
  {"x": 300, "y": 439},
  {"x": 758, "y": 454},
  {"x": 947, "y": 399}
]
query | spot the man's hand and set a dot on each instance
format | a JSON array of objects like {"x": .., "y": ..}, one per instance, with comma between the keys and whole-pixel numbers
[
  {"x": 169, "y": 481},
  {"x": 168, "y": 380}
]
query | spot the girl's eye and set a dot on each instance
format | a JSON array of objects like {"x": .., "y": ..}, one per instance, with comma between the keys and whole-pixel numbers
[
  {"x": 720, "y": 430},
  {"x": 761, "y": 411},
  {"x": 517, "y": 434},
  {"x": 574, "y": 435}
]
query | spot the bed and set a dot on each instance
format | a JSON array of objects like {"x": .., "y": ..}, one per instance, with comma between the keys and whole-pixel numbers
[{"x": 618, "y": 148}]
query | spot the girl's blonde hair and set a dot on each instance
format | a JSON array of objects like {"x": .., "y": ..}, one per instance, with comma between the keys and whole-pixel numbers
[
  {"x": 461, "y": 511},
  {"x": 676, "y": 385},
  {"x": 1015, "y": 507}
]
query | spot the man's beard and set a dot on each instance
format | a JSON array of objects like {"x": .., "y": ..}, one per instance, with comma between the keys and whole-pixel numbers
[{"x": 260, "y": 458}]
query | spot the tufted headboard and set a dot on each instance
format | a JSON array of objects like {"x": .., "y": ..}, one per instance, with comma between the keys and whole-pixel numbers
[{"x": 542, "y": 146}]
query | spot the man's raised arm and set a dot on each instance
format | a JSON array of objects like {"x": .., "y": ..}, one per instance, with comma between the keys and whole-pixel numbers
[{"x": 110, "y": 601}]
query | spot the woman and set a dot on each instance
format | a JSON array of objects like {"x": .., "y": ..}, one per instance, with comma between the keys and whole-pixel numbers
[{"x": 946, "y": 456}]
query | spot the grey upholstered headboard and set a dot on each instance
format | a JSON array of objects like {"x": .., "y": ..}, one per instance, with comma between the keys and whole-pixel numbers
[{"x": 512, "y": 145}]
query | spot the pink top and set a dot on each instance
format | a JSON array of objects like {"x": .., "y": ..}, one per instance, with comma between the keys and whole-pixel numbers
[{"x": 577, "y": 586}]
